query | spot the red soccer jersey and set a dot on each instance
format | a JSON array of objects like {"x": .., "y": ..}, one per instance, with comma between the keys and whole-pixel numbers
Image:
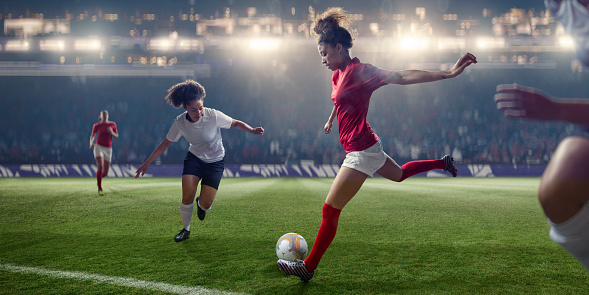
[
  {"x": 103, "y": 137},
  {"x": 351, "y": 93}
]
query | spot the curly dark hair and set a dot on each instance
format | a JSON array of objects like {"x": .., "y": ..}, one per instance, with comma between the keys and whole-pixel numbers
[
  {"x": 182, "y": 94},
  {"x": 328, "y": 28}
]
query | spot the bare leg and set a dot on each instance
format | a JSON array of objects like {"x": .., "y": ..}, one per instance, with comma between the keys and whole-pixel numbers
[
  {"x": 99, "y": 162},
  {"x": 390, "y": 170},
  {"x": 105, "y": 168},
  {"x": 565, "y": 184},
  {"x": 564, "y": 197},
  {"x": 346, "y": 184},
  {"x": 207, "y": 196},
  {"x": 189, "y": 186}
]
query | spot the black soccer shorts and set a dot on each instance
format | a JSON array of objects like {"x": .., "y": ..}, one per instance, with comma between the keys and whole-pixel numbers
[{"x": 209, "y": 173}]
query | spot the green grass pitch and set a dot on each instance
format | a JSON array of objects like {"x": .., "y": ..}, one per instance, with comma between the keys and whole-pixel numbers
[{"x": 422, "y": 236}]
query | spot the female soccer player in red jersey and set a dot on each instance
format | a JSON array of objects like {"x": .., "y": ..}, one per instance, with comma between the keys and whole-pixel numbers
[
  {"x": 353, "y": 83},
  {"x": 205, "y": 158},
  {"x": 103, "y": 131}
]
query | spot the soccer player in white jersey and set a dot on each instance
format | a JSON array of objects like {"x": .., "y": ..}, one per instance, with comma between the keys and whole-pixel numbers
[
  {"x": 563, "y": 192},
  {"x": 205, "y": 158}
]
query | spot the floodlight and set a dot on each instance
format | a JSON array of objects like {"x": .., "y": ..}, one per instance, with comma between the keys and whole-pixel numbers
[
  {"x": 490, "y": 42},
  {"x": 566, "y": 42},
  {"x": 51, "y": 45},
  {"x": 264, "y": 44},
  {"x": 87, "y": 45},
  {"x": 17, "y": 45},
  {"x": 451, "y": 43},
  {"x": 413, "y": 43},
  {"x": 159, "y": 44}
]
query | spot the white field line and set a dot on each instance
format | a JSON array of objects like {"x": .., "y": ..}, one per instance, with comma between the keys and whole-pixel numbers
[{"x": 119, "y": 281}]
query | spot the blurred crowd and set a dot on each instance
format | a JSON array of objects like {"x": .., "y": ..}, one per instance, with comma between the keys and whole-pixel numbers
[{"x": 49, "y": 119}]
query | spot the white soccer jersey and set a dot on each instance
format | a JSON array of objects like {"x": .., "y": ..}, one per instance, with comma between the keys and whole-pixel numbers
[
  {"x": 203, "y": 135},
  {"x": 574, "y": 16}
]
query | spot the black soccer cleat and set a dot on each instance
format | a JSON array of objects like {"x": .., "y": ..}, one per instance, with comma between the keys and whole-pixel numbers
[
  {"x": 296, "y": 268},
  {"x": 199, "y": 211},
  {"x": 449, "y": 161},
  {"x": 182, "y": 235}
]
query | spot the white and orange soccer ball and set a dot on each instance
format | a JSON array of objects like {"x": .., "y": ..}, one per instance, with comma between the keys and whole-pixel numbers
[{"x": 291, "y": 246}]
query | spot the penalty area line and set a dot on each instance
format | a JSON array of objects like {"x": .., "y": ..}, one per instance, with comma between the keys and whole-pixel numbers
[{"x": 119, "y": 281}]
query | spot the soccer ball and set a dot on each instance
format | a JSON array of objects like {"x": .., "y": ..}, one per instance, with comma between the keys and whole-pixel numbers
[{"x": 291, "y": 246}]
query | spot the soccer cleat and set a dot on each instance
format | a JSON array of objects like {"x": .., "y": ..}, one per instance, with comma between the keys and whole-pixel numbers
[
  {"x": 182, "y": 235},
  {"x": 100, "y": 192},
  {"x": 296, "y": 268},
  {"x": 449, "y": 161},
  {"x": 199, "y": 212}
]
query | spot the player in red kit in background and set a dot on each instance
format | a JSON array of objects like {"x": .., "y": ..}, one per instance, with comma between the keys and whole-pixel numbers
[{"x": 103, "y": 131}]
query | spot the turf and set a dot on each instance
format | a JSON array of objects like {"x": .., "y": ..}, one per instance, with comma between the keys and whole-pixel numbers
[{"x": 422, "y": 236}]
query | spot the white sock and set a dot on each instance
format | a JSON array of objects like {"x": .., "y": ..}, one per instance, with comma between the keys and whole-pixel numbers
[
  {"x": 573, "y": 235},
  {"x": 578, "y": 248},
  {"x": 186, "y": 215},
  {"x": 198, "y": 203}
]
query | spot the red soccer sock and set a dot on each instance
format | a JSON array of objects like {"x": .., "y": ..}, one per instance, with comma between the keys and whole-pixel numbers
[
  {"x": 324, "y": 236},
  {"x": 99, "y": 178},
  {"x": 416, "y": 167}
]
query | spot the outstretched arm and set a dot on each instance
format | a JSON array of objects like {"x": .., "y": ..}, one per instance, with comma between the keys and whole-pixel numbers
[
  {"x": 519, "y": 101},
  {"x": 407, "y": 77},
  {"x": 159, "y": 150},
  {"x": 246, "y": 128}
]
